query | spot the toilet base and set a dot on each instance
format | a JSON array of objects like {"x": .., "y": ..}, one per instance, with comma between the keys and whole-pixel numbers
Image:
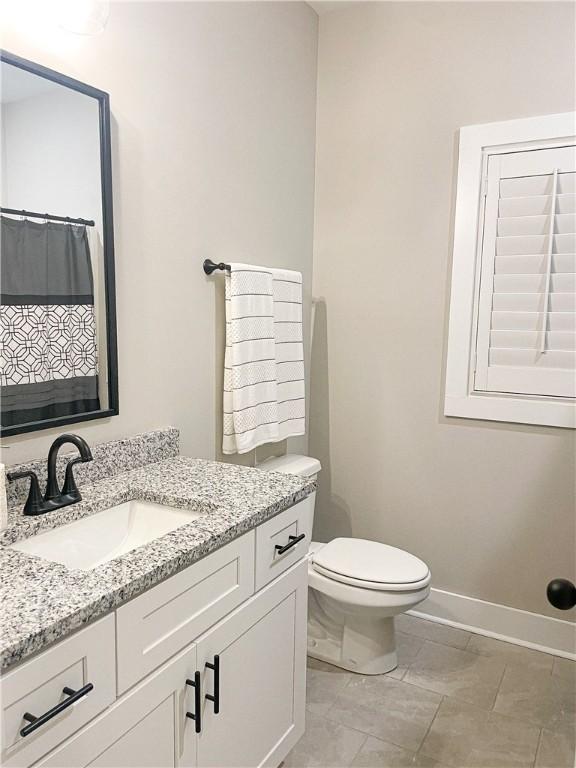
[{"x": 355, "y": 641}]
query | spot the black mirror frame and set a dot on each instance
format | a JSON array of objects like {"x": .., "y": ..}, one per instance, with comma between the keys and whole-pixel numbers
[{"x": 108, "y": 245}]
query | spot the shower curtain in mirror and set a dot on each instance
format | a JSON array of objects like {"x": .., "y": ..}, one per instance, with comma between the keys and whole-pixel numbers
[{"x": 49, "y": 360}]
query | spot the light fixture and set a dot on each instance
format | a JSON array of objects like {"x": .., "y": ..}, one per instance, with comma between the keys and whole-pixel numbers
[{"x": 83, "y": 17}]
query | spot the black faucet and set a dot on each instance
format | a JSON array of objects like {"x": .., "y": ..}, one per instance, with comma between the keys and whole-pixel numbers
[{"x": 54, "y": 498}]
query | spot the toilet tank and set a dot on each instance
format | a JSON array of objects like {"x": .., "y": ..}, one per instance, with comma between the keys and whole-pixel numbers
[{"x": 292, "y": 464}]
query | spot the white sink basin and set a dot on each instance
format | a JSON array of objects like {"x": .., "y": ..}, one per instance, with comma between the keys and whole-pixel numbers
[{"x": 101, "y": 537}]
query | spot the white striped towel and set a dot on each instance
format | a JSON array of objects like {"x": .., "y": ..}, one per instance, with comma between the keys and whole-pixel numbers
[
  {"x": 289, "y": 352},
  {"x": 263, "y": 363}
]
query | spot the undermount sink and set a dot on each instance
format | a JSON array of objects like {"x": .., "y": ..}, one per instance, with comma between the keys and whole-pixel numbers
[{"x": 93, "y": 540}]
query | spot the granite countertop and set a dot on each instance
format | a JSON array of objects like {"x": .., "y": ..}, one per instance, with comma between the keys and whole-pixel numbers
[{"x": 43, "y": 601}]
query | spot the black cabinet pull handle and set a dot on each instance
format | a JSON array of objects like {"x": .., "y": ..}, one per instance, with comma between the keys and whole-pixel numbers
[
  {"x": 215, "y": 665},
  {"x": 292, "y": 541},
  {"x": 73, "y": 697},
  {"x": 197, "y": 715}
]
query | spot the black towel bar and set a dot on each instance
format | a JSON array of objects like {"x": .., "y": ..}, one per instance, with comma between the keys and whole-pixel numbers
[{"x": 210, "y": 266}]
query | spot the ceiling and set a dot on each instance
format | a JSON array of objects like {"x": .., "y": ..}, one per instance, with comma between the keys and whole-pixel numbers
[{"x": 323, "y": 7}]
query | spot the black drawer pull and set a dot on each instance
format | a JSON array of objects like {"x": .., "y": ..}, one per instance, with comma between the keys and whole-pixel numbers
[
  {"x": 215, "y": 665},
  {"x": 197, "y": 715},
  {"x": 293, "y": 540},
  {"x": 73, "y": 697}
]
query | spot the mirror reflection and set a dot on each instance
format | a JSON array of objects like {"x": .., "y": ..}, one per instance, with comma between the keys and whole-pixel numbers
[{"x": 53, "y": 323}]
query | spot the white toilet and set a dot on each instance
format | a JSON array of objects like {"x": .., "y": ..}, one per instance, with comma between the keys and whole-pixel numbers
[{"x": 356, "y": 587}]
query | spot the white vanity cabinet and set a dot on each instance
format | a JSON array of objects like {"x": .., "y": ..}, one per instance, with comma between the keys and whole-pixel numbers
[{"x": 203, "y": 643}]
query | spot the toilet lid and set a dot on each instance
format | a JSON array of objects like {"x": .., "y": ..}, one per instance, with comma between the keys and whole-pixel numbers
[{"x": 377, "y": 564}]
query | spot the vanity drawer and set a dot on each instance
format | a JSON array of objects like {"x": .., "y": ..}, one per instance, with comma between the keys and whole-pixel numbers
[
  {"x": 275, "y": 533},
  {"x": 160, "y": 622},
  {"x": 37, "y": 686}
]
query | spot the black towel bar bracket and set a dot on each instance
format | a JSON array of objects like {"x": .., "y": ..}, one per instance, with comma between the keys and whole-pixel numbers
[{"x": 210, "y": 266}]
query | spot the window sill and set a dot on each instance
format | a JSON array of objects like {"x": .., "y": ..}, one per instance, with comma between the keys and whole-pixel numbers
[{"x": 517, "y": 410}]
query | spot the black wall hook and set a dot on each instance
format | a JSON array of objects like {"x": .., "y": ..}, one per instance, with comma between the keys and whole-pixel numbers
[{"x": 561, "y": 594}]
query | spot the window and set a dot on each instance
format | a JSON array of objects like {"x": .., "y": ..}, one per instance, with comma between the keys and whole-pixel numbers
[{"x": 512, "y": 338}]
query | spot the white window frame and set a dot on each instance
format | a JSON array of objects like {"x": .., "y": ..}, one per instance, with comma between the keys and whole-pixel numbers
[{"x": 477, "y": 142}]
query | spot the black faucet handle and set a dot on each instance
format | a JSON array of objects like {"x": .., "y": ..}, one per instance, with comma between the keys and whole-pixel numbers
[
  {"x": 70, "y": 488},
  {"x": 34, "y": 503},
  {"x": 20, "y": 475}
]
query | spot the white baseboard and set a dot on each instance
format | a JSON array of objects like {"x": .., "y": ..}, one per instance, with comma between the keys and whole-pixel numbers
[{"x": 532, "y": 630}]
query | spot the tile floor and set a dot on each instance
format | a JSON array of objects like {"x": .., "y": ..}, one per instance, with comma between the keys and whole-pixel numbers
[{"x": 456, "y": 700}]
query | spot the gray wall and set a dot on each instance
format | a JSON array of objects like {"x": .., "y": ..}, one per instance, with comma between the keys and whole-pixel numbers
[
  {"x": 213, "y": 156},
  {"x": 489, "y": 506}
]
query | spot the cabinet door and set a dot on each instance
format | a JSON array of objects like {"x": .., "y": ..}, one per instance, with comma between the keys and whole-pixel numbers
[
  {"x": 147, "y": 728},
  {"x": 149, "y": 744},
  {"x": 262, "y": 669}
]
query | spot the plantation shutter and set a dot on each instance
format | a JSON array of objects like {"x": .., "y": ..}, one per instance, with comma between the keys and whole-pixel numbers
[{"x": 526, "y": 337}]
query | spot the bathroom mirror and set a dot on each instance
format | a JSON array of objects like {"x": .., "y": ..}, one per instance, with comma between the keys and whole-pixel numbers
[{"x": 57, "y": 307}]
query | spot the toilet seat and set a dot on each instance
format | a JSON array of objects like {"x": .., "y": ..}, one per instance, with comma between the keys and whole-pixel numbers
[{"x": 370, "y": 565}]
